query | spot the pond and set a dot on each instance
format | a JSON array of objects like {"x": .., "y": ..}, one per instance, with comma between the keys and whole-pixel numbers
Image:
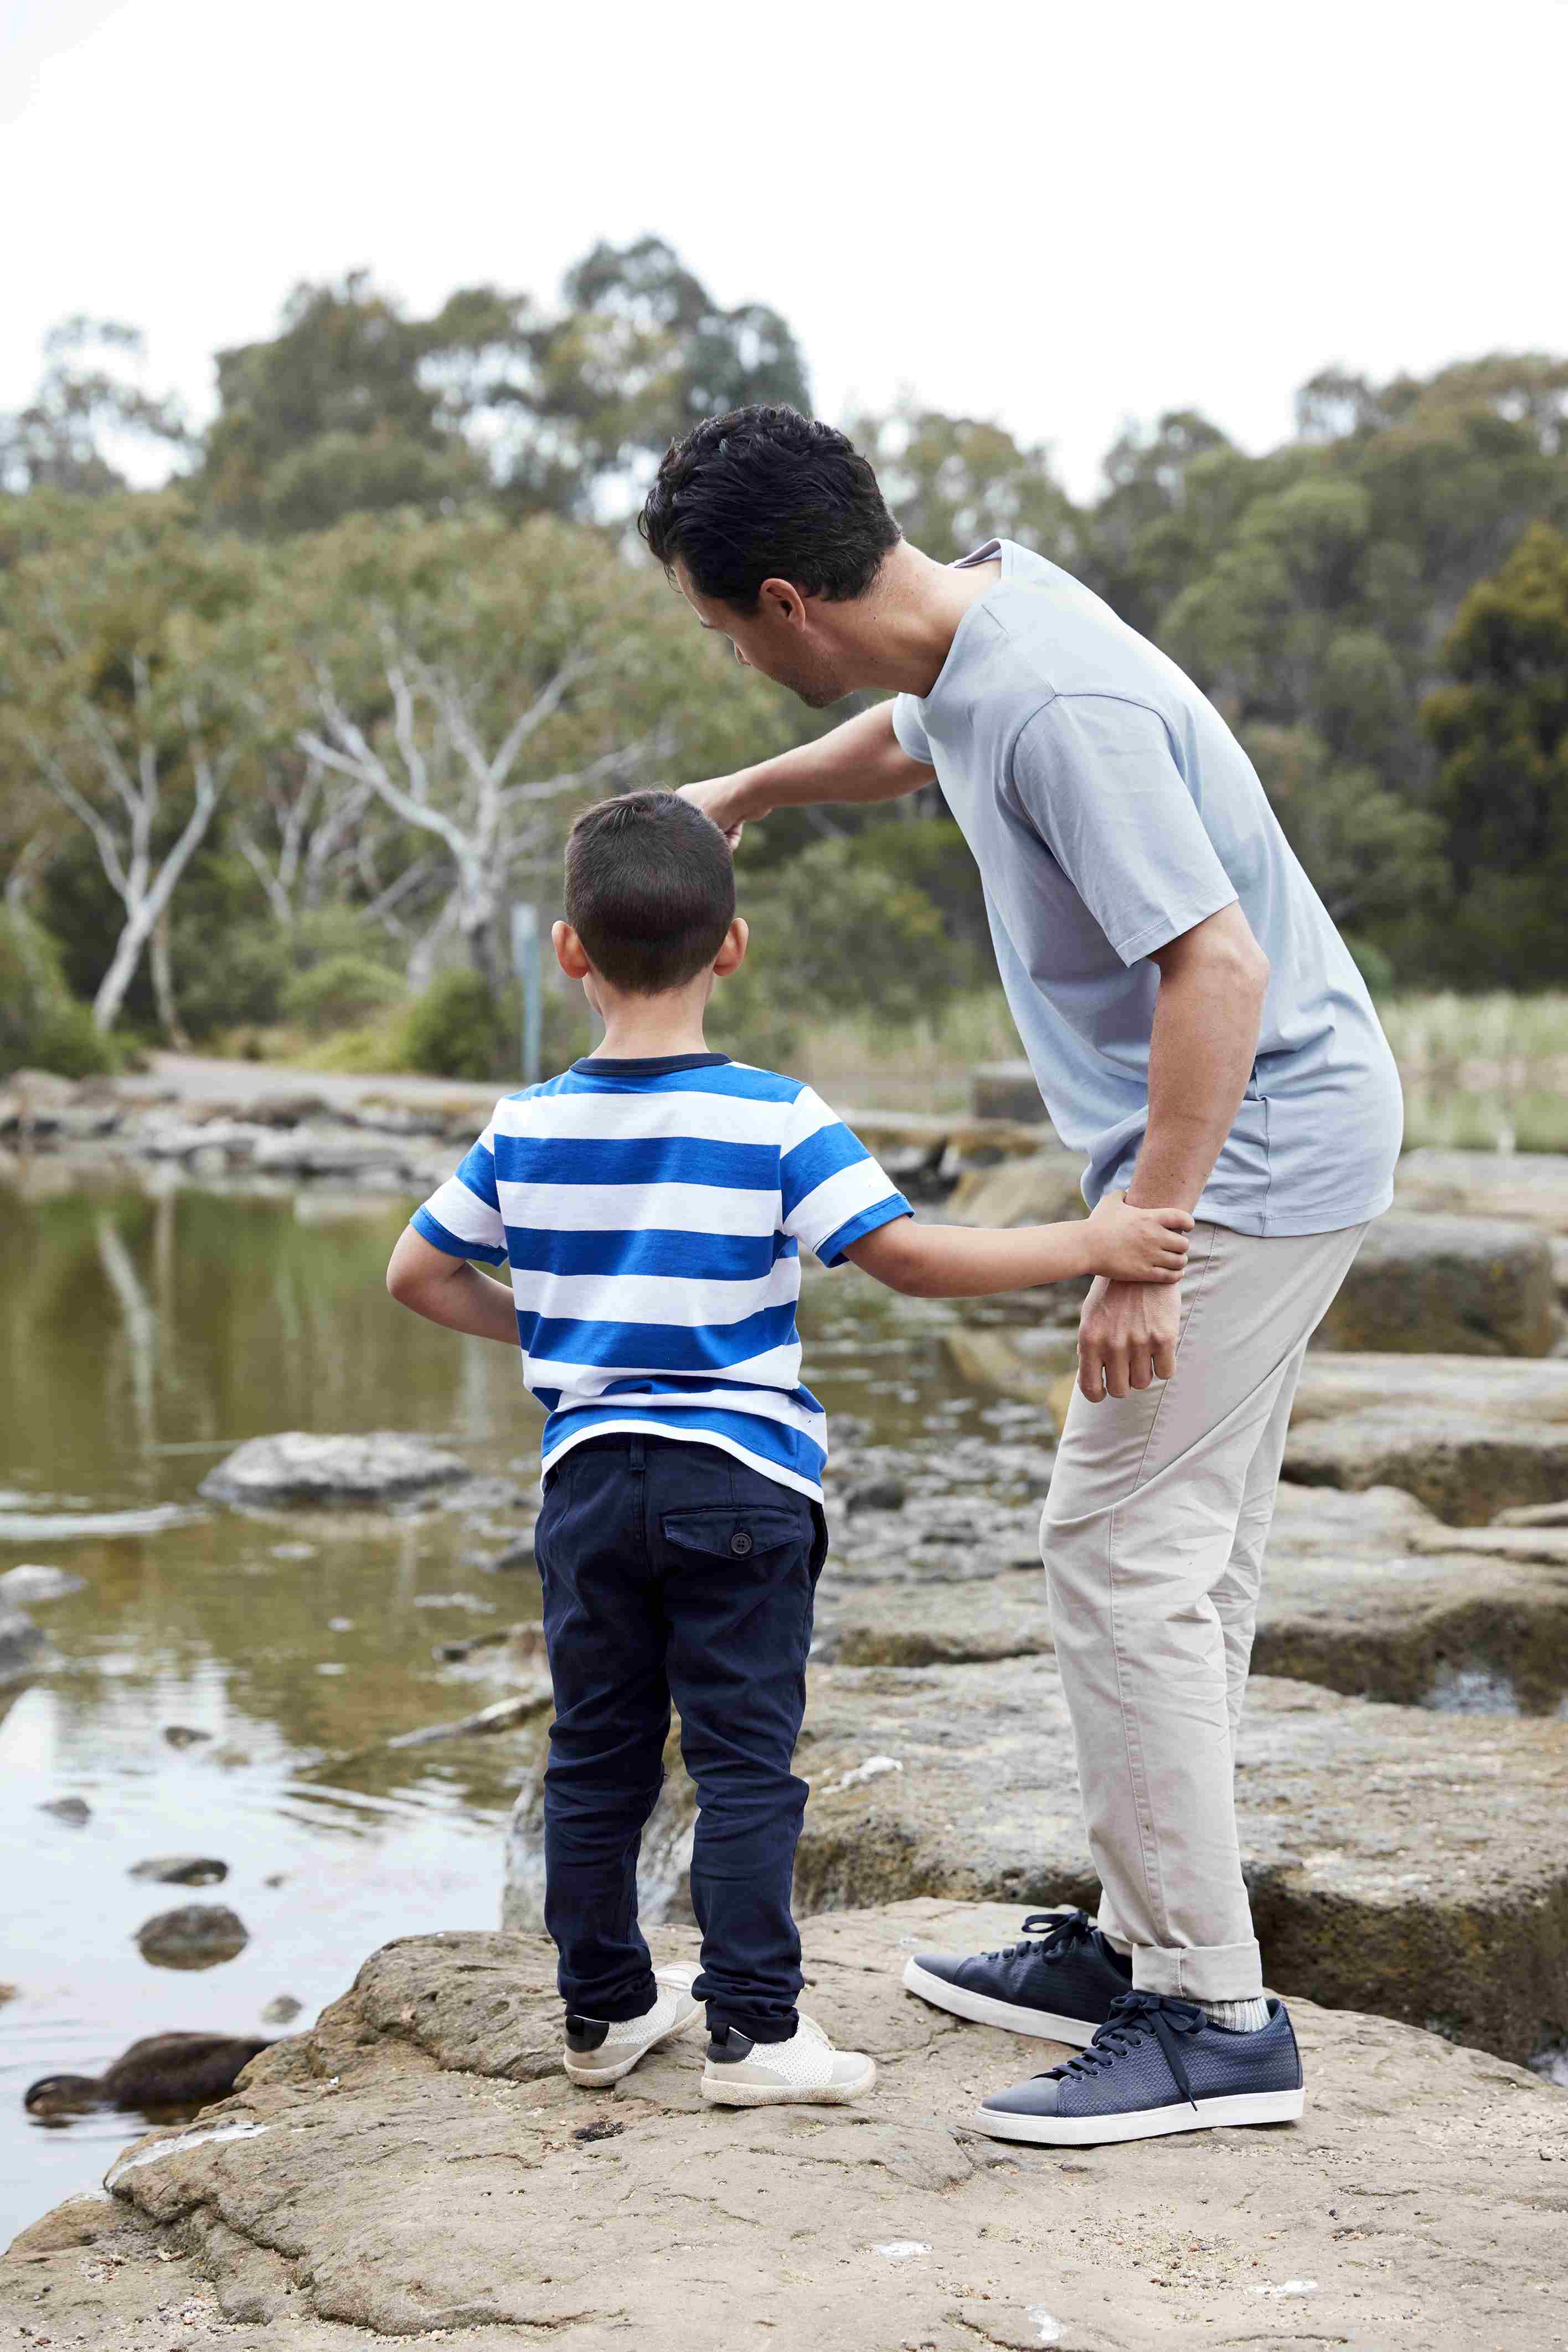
[{"x": 145, "y": 1333}]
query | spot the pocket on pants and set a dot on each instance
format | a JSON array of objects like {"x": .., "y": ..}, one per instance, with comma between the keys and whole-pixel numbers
[{"x": 738, "y": 1532}]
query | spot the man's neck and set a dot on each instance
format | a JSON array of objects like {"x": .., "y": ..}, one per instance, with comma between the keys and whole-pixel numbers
[{"x": 898, "y": 635}]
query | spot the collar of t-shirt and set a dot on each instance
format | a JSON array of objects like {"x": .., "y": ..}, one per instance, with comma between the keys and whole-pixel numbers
[{"x": 645, "y": 1065}]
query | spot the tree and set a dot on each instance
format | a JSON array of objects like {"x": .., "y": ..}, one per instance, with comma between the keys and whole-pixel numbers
[
  {"x": 1501, "y": 732},
  {"x": 955, "y": 481},
  {"x": 1372, "y": 857},
  {"x": 85, "y": 407},
  {"x": 468, "y": 679},
  {"x": 111, "y": 707}
]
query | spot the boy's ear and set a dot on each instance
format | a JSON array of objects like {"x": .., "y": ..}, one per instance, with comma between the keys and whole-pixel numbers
[
  {"x": 569, "y": 952},
  {"x": 732, "y": 954}
]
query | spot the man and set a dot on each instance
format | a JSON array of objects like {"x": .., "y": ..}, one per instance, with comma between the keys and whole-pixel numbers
[{"x": 1199, "y": 1030}]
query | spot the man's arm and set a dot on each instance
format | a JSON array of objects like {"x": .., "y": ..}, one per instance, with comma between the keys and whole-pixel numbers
[
  {"x": 861, "y": 761},
  {"x": 1201, "y": 1051},
  {"x": 449, "y": 1290}
]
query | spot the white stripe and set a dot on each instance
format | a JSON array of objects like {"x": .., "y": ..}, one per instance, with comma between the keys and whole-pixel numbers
[
  {"x": 759, "y": 1404},
  {"x": 655, "y": 1298},
  {"x": 641, "y": 1208},
  {"x": 643, "y": 1426},
  {"x": 465, "y": 1214},
  {"x": 835, "y": 1200},
  {"x": 811, "y": 1115},
  {"x": 778, "y": 1368},
  {"x": 641, "y": 1117}
]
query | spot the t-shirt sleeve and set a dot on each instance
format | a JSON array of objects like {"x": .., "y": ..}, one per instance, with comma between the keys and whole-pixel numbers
[
  {"x": 463, "y": 1216},
  {"x": 1096, "y": 778},
  {"x": 909, "y": 729},
  {"x": 831, "y": 1189}
]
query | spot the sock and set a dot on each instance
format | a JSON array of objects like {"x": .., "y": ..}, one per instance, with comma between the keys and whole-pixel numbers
[{"x": 1240, "y": 2016}]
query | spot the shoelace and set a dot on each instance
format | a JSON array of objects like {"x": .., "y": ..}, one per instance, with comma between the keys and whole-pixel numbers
[
  {"x": 1067, "y": 1931},
  {"x": 1131, "y": 2017}
]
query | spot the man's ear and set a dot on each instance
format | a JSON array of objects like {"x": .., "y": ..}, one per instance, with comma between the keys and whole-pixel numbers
[
  {"x": 782, "y": 603},
  {"x": 569, "y": 952},
  {"x": 732, "y": 954}
]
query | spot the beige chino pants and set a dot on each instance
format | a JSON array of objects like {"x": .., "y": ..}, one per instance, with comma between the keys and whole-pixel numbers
[{"x": 1152, "y": 1535}]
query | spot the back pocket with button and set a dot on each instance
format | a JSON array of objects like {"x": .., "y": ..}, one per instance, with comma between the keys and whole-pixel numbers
[{"x": 738, "y": 1531}]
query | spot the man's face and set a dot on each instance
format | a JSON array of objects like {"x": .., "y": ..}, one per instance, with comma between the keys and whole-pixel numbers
[{"x": 777, "y": 639}]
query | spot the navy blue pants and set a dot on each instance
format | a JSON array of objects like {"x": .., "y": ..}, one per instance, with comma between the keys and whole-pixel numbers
[{"x": 672, "y": 1570}]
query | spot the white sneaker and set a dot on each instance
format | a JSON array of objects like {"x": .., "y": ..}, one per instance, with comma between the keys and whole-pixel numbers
[
  {"x": 804, "y": 2069},
  {"x": 598, "y": 2052}
]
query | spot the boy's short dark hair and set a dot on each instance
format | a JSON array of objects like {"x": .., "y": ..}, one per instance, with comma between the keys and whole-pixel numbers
[
  {"x": 765, "y": 493},
  {"x": 651, "y": 891}
]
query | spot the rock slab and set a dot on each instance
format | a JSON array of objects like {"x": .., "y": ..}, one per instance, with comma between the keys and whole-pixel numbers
[
  {"x": 1446, "y": 1286},
  {"x": 417, "y": 2163},
  {"x": 302, "y": 1467}
]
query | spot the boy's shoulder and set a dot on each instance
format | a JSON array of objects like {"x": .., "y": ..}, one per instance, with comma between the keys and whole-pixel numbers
[{"x": 745, "y": 1080}]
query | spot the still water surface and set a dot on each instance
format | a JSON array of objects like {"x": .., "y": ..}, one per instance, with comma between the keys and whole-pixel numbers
[{"x": 143, "y": 1334}]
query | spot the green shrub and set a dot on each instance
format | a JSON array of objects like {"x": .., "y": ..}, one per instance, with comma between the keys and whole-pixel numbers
[
  {"x": 1374, "y": 967},
  {"x": 42, "y": 1025},
  {"x": 342, "y": 992},
  {"x": 455, "y": 1030}
]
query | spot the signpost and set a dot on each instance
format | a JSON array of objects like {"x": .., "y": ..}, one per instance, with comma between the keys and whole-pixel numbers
[{"x": 525, "y": 966}]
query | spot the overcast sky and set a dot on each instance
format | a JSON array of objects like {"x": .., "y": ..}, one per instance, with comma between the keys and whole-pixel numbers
[{"x": 1060, "y": 215}]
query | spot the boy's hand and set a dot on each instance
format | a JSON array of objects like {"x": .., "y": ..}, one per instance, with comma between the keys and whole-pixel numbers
[{"x": 1138, "y": 1244}]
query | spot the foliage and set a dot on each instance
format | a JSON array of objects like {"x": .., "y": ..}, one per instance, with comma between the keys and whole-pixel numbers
[
  {"x": 340, "y": 993},
  {"x": 42, "y": 1027},
  {"x": 454, "y": 1029},
  {"x": 1501, "y": 728}
]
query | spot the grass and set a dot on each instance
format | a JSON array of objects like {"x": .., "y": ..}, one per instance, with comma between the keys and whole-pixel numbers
[{"x": 1480, "y": 1073}]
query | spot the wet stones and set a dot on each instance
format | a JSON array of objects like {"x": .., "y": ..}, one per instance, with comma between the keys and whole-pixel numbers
[
  {"x": 37, "y": 1580},
  {"x": 74, "y": 1811},
  {"x": 1446, "y": 1285},
  {"x": 196, "y": 1935},
  {"x": 1468, "y": 1436},
  {"x": 300, "y": 1467},
  {"x": 22, "y": 1646},
  {"x": 181, "y": 1870}
]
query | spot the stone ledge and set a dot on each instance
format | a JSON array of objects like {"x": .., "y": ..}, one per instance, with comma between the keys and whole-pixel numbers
[{"x": 391, "y": 2175}]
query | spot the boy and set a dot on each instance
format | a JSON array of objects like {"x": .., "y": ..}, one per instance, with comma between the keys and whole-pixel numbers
[{"x": 652, "y": 1202}]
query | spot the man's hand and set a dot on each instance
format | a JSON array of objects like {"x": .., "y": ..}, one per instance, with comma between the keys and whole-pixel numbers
[
  {"x": 1126, "y": 1337},
  {"x": 719, "y": 798}
]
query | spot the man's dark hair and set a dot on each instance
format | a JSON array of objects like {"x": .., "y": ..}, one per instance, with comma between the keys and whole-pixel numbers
[
  {"x": 651, "y": 891},
  {"x": 768, "y": 494}
]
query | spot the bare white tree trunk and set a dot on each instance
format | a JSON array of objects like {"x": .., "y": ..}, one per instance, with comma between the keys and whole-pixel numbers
[
  {"x": 123, "y": 826},
  {"x": 164, "y": 986}
]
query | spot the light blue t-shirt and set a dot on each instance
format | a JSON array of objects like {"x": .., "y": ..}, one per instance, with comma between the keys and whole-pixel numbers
[{"x": 1109, "y": 809}]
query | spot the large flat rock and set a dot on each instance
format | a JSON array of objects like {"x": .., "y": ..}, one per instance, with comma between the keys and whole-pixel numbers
[
  {"x": 416, "y": 2165},
  {"x": 1529, "y": 1185},
  {"x": 1430, "y": 1285},
  {"x": 1366, "y": 1593},
  {"x": 1469, "y": 1437},
  {"x": 305, "y": 1468}
]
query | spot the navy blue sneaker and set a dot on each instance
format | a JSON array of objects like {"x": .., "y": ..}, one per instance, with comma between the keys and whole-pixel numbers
[
  {"x": 1158, "y": 2066},
  {"x": 1059, "y": 1983}
]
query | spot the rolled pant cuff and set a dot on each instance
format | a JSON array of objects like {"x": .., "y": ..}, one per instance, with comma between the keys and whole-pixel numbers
[{"x": 1200, "y": 1971}]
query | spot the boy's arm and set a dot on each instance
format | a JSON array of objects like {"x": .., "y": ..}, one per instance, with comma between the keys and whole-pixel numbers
[
  {"x": 449, "y": 1290},
  {"x": 972, "y": 1262}
]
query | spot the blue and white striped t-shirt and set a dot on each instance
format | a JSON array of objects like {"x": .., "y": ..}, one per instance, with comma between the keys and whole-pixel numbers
[{"x": 652, "y": 1213}]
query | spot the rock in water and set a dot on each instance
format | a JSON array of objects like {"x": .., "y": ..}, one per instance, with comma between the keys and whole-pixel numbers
[
  {"x": 302, "y": 1467},
  {"x": 1446, "y": 1286},
  {"x": 184, "y": 1735},
  {"x": 75, "y": 1812},
  {"x": 35, "y": 1580},
  {"x": 283, "y": 2011},
  {"x": 22, "y": 1645},
  {"x": 197, "y": 1936},
  {"x": 181, "y": 1870},
  {"x": 358, "y": 2189}
]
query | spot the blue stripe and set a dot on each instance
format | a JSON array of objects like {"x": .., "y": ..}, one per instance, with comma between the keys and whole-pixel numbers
[
  {"x": 664, "y": 1347},
  {"x": 770, "y": 1440},
  {"x": 642, "y": 1160},
  {"x": 477, "y": 1169},
  {"x": 811, "y": 1163},
  {"x": 430, "y": 1229},
  {"x": 747, "y": 1086},
  {"x": 660, "y": 1250},
  {"x": 831, "y": 1251}
]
